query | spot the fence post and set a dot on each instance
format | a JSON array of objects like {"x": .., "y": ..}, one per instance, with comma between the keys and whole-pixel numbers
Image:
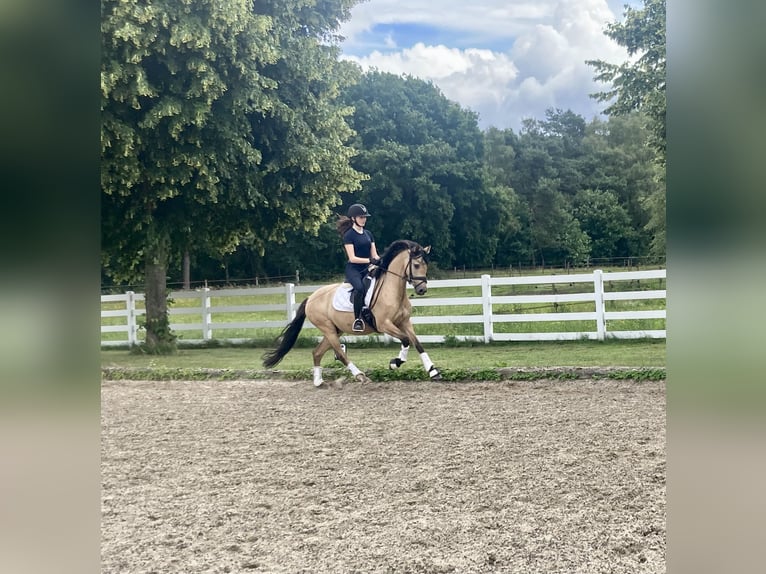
[
  {"x": 290, "y": 300},
  {"x": 130, "y": 304},
  {"x": 207, "y": 316},
  {"x": 486, "y": 304},
  {"x": 598, "y": 289}
]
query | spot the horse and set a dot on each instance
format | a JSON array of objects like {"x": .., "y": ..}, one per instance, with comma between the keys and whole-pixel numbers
[{"x": 402, "y": 262}]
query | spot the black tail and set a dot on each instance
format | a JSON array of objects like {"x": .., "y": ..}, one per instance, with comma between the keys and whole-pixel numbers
[{"x": 286, "y": 338}]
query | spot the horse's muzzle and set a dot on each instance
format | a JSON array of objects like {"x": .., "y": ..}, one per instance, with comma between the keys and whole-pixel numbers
[{"x": 421, "y": 288}]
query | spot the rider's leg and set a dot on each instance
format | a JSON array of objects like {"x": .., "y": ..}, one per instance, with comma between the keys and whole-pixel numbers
[
  {"x": 357, "y": 297},
  {"x": 358, "y": 304}
]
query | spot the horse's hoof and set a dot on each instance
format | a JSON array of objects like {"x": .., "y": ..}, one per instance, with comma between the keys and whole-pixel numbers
[
  {"x": 435, "y": 374},
  {"x": 395, "y": 363},
  {"x": 362, "y": 378}
]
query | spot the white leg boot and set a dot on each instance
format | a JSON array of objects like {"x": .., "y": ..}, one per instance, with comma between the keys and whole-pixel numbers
[
  {"x": 318, "y": 377},
  {"x": 397, "y": 362},
  {"x": 354, "y": 369},
  {"x": 430, "y": 368}
]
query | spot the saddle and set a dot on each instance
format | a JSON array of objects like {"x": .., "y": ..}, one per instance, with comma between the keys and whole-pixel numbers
[{"x": 342, "y": 300}]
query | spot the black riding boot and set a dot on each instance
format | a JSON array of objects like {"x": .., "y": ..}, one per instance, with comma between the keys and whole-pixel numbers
[{"x": 358, "y": 304}]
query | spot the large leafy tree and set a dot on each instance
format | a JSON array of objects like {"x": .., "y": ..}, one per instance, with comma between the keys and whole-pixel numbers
[
  {"x": 605, "y": 222},
  {"x": 220, "y": 122},
  {"x": 564, "y": 132},
  {"x": 546, "y": 177},
  {"x": 424, "y": 156},
  {"x": 618, "y": 160},
  {"x": 639, "y": 85},
  {"x": 556, "y": 172},
  {"x": 556, "y": 234},
  {"x": 514, "y": 245}
]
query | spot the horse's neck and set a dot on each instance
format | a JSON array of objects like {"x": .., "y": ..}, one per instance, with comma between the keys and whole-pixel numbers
[{"x": 395, "y": 281}]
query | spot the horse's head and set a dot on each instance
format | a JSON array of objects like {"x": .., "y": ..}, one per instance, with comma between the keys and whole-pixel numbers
[
  {"x": 408, "y": 260},
  {"x": 417, "y": 268}
]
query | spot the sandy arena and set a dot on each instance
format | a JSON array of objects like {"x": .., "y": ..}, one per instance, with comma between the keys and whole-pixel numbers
[{"x": 405, "y": 477}]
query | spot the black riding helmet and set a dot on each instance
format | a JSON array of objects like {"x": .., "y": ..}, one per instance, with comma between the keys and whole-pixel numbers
[{"x": 356, "y": 210}]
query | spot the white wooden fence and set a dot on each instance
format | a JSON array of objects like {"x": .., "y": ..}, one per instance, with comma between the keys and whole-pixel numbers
[{"x": 593, "y": 291}]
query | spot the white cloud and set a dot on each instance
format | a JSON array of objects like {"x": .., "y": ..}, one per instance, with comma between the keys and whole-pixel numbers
[
  {"x": 437, "y": 62},
  {"x": 529, "y": 55}
]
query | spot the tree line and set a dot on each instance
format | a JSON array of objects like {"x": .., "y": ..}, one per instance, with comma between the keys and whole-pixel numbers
[{"x": 233, "y": 134}]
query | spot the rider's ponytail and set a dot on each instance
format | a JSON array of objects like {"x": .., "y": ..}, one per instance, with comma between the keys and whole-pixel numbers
[{"x": 343, "y": 224}]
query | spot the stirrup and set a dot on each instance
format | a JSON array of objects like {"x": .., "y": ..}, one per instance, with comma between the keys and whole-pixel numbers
[{"x": 358, "y": 326}]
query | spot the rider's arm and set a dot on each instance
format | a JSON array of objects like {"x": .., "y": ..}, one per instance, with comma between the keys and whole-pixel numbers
[{"x": 353, "y": 258}]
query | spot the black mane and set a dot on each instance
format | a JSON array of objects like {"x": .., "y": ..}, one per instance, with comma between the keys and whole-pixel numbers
[{"x": 392, "y": 251}]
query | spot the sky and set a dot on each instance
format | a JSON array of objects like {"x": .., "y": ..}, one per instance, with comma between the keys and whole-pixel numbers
[{"x": 504, "y": 59}]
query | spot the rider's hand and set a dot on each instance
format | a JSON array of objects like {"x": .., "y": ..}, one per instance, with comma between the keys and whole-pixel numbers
[{"x": 374, "y": 261}]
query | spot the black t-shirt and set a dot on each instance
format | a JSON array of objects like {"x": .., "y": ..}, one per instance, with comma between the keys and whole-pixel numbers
[{"x": 362, "y": 243}]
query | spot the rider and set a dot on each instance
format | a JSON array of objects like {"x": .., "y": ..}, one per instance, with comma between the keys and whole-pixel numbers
[{"x": 359, "y": 244}]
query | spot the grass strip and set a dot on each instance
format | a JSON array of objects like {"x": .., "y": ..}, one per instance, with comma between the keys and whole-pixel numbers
[{"x": 381, "y": 375}]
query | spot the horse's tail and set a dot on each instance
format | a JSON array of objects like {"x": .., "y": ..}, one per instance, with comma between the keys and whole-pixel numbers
[{"x": 286, "y": 339}]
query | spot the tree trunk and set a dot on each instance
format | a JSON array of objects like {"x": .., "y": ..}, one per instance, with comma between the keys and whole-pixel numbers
[
  {"x": 159, "y": 338},
  {"x": 187, "y": 270}
]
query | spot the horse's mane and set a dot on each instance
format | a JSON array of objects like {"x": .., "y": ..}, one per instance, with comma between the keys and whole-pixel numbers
[{"x": 392, "y": 251}]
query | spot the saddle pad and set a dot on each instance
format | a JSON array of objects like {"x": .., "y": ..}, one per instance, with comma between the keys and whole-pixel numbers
[{"x": 341, "y": 301}]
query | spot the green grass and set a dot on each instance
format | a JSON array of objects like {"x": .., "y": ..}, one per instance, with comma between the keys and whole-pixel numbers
[{"x": 613, "y": 353}]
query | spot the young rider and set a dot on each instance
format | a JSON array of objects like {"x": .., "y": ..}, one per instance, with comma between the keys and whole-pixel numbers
[{"x": 359, "y": 244}]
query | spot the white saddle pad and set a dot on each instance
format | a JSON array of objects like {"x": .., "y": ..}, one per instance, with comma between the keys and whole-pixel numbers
[{"x": 341, "y": 301}]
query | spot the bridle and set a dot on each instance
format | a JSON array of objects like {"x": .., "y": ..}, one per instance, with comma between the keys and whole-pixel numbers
[
  {"x": 421, "y": 279},
  {"x": 408, "y": 276}
]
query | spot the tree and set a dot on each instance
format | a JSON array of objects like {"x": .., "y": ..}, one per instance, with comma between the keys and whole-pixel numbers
[
  {"x": 617, "y": 159},
  {"x": 556, "y": 234},
  {"x": 499, "y": 156},
  {"x": 605, "y": 222},
  {"x": 424, "y": 156},
  {"x": 543, "y": 207},
  {"x": 638, "y": 85},
  {"x": 220, "y": 121},
  {"x": 564, "y": 133}
]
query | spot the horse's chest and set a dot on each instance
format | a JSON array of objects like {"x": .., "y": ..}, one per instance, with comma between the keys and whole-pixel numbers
[{"x": 404, "y": 310}]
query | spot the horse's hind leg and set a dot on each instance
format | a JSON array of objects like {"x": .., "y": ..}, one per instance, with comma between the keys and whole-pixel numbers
[
  {"x": 317, "y": 354},
  {"x": 333, "y": 341}
]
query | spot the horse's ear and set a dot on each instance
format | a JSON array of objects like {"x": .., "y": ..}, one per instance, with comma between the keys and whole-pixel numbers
[{"x": 427, "y": 249}]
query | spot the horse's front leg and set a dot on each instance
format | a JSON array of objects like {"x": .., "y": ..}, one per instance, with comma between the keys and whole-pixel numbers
[
  {"x": 390, "y": 328},
  {"x": 405, "y": 334},
  {"x": 428, "y": 365},
  {"x": 397, "y": 362}
]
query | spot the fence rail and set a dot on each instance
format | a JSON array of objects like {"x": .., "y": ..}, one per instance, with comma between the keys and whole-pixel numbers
[{"x": 599, "y": 305}]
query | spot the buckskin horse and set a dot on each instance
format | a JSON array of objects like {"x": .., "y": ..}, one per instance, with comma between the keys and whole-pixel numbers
[{"x": 402, "y": 262}]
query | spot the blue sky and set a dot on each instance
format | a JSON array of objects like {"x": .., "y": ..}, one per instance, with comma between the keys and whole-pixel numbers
[{"x": 504, "y": 59}]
